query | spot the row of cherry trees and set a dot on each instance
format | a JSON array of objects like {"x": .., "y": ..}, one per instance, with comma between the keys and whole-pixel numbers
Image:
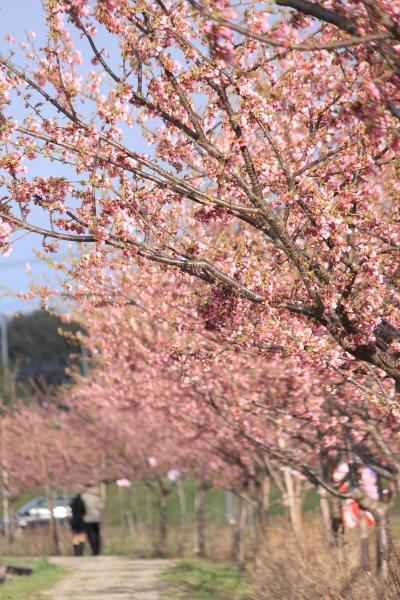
[
  {"x": 239, "y": 279},
  {"x": 165, "y": 394},
  {"x": 156, "y": 400},
  {"x": 266, "y": 417}
]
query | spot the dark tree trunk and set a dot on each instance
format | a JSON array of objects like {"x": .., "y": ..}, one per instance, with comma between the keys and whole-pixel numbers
[{"x": 336, "y": 518}]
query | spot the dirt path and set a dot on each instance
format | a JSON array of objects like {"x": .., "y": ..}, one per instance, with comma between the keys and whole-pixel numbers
[{"x": 111, "y": 578}]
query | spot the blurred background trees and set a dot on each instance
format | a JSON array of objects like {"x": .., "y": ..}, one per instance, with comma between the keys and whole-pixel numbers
[{"x": 42, "y": 352}]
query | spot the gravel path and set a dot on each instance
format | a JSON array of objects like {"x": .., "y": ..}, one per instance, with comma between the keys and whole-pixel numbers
[{"x": 111, "y": 578}]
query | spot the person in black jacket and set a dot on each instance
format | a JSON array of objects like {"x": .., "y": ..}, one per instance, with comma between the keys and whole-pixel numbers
[{"x": 77, "y": 524}]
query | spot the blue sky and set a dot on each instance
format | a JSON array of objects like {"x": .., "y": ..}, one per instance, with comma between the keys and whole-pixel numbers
[{"x": 16, "y": 17}]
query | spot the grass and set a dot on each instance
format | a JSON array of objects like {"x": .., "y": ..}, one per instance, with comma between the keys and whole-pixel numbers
[
  {"x": 18, "y": 560},
  {"x": 44, "y": 576},
  {"x": 142, "y": 502},
  {"x": 202, "y": 579}
]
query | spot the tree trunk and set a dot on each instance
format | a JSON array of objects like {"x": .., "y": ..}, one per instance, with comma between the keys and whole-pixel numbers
[
  {"x": 121, "y": 502},
  {"x": 364, "y": 543},
  {"x": 162, "y": 520},
  {"x": 232, "y": 517},
  {"x": 336, "y": 517},
  {"x": 325, "y": 511},
  {"x": 382, "y": 545},
  {"x": 103, "y": 496},
  {"x": 230, "y": 513},
  {"x": 182, "y": 501},
  {"x": 134, "y": 506},
  {"x": 298, "y": 485},
  {"x": 49, "y": 497},
  {"x": 199, "y": 522},
  {"x": 263, "y": 501},
  {"x": 240, "y": 542},
  {"x": 53, "y": 521},
  {"x": 293, "y": 498},
  {"x": 253, "y": 528},
  {"x": 293, "y": 501}
]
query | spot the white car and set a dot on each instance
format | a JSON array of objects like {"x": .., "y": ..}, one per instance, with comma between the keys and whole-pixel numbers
[{"x": 37, "y": 512}]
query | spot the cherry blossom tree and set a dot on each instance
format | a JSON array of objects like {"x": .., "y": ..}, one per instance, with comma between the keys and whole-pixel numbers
[
  {"x": 270, "y": 182},
  {"x": 248, "y": 258}
]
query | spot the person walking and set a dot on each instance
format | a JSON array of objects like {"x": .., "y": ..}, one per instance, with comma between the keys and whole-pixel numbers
[
  {"x": 77, "y": 524},
  {"x": 92, "y": 518}
]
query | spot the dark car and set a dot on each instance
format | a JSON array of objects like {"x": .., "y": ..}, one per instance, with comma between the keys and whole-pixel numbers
[{"x": 37, "y": 512}]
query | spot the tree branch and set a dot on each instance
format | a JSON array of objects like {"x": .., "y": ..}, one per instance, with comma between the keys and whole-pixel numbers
[{"x": 317, "y": 11}]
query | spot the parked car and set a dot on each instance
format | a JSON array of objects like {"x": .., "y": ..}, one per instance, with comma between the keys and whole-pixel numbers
[{"x": 37, "y": 512}]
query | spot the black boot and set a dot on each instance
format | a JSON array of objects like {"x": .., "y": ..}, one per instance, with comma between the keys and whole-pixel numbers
[
  {"x": 76, "y": 549},
  {"x": 81, "y": 548}
]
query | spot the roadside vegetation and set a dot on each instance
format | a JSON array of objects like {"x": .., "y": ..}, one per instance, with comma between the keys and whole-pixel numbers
[
  {"x": 203, "y": 579},
  {"x": 44, "y": 576}
]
